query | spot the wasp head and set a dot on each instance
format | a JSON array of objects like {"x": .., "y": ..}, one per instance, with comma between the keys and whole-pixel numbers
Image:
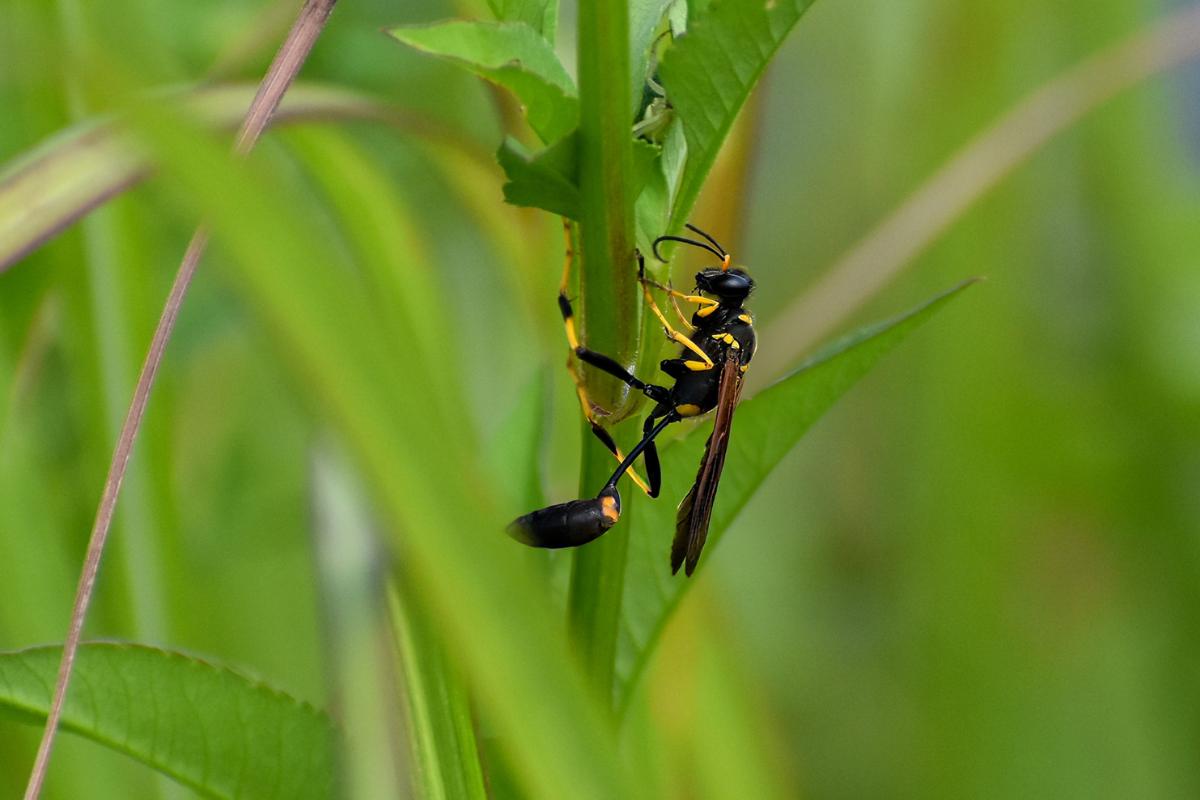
[{"x": 731, "y": 286}]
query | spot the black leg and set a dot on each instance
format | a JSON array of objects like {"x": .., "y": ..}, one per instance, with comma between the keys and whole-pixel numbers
[
  {"x": 585, "y": 405},
  {"x": 650, "y": 455},
  {"x": 658, "y": 394},
  {"x": 646, "y": 442},
  {"x": 605, "y": 438}
]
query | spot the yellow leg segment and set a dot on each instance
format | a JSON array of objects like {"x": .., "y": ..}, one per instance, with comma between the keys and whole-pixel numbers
[
  {"x": 672, "y": 334},
  {"x": 687, "y": 298},
  {"x": 585, "y": 405}
]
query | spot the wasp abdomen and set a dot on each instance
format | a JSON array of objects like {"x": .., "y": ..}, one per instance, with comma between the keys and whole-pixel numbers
[{"x": 568, "y": 524}]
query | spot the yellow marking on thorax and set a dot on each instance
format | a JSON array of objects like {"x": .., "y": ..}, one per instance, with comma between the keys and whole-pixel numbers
[
  {"x": 687, "y": 409},
  {"x": 697, "y": 366},
  {"x": 746, "y": 319},
  {"x": 727, "y": 338}
]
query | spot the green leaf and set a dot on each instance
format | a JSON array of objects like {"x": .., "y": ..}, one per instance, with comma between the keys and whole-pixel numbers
[
  {"x": 765, "y": 428},
  {"x": 708, "y": 74},
  {"x": 655, "y": 200},
  {"x": 58, "y": 182},
  {"x": 545, "y": 179},
  {"x": 208, "y": 727},
  {"x": 644, "y": 19},
  {"x": 509, "y": 54},
  {"x": 548, "y": 179},
  {"x": 541, "y": 15}
]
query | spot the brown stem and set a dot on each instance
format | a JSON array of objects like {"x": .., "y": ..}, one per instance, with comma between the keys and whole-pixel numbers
[{"x": 282, "y": 72}]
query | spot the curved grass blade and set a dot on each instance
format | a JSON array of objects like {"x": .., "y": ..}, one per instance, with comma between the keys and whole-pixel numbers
[
  {"x": 55, "y": 184},
  {"x": 206, "y": 726},
  {"x": 708, "y": 74},
  {"x": 509, "y": 54},
  {"x": 767, "y": 427}
]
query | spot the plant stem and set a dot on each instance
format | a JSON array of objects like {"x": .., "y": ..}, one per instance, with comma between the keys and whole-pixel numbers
[
  {"x": 608, "y": 286},
  {"x": 598, "y": 580},
  {"x": 608, "y": 277}
]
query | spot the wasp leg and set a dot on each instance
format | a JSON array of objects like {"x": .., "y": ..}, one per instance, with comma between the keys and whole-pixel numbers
[
  {"x": 658, "y": 394},
  {"x": 698, "y": 299},
  {"x": 645, "y": 445},
  {"x": 650, "y": 453},
  {"x": 578, "y": 522},
  {"x": 672, "y": 334},
  {"x": 585, "y": 404}
]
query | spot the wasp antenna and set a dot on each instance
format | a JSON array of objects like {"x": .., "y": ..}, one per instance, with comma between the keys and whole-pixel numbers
[
  {"x": 714, "y": 242},
  {"x": 718, "y": 253}
]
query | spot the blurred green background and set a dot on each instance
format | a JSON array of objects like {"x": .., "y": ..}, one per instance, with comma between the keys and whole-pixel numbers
[{"x": 979, "y": 576}]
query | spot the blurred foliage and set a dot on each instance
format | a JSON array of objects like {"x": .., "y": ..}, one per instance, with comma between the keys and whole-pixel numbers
[{"x": 976, "y": 577}]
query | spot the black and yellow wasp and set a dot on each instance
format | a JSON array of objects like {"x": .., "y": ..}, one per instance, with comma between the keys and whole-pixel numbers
[{"x": 708, "y": 374}]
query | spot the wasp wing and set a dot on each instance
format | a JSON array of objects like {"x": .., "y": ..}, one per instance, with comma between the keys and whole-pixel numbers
[{"x": 691, "y": 521}]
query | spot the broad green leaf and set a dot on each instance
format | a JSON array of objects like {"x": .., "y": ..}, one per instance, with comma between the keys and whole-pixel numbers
[
  {"x": 82, "y": 167},
  {"x": 548, "y": 179},
  {"x": 541, "y": 15},
  {"x": 764, "y": 429},
  {"x": 708, "y": 74},
  {"x": 644, "y": 19},
  {"x": 208, "y": 727},
  {"x": 655, "y": 201},
  {"x": 545, "y": 179},
  {"x": 509, "y": 54}
]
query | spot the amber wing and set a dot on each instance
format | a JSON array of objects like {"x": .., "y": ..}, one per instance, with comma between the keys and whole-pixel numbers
[{"x": 691, "y": 522}]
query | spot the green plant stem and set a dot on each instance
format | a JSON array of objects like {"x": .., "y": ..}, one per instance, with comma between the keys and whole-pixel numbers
[
  {"x": 608, "y": 287},
  {"x": 598, "y": 580},
  {"x": 608, "y": 278}
]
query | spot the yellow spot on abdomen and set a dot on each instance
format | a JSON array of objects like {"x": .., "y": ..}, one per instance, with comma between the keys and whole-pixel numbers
[
  {"x": 687, "y": 409},
  {"x": 608, "y": 507},
  {"x": 697, "y": 366}
]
